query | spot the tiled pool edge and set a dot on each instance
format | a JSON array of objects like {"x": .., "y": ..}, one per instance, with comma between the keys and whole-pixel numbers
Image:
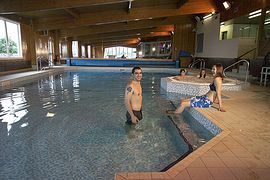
[
  {"x": 10, "y": 82},
  {"x": 177, "y": 168}
]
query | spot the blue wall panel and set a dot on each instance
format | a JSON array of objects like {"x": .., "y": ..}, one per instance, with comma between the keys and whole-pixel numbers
[{"x": 115, "y": 62}]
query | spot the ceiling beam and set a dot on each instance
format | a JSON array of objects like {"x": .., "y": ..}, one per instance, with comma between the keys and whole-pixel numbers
[
  {"x": 127, "y": 33},
  {"x": 120, "y": 38},
  {"x": 132, "y": 25},
  {"x": 112, "y": 16},
  {"x": 127, "y": 41},
  {"x": 129, "y": 5},
  {"x": 181, "y": 3},
  {"x": 73, "y": 13},
  {"x": 18, "y": 6}
]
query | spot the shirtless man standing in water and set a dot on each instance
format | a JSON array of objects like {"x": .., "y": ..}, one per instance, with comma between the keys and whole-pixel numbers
[{"x": 133, "y": 97}]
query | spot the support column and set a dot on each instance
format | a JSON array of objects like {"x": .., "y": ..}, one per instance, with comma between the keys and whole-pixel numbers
[
  {"x": 32, "y": 46},
  {"x": 261, "y": 35},
  {"x": 99, "y": 52},
  {"x": 79, "y": 49},
  {"x": 93, "y": 51},
  {"x": 56, "y": 44},
  {"x": 86, "y": 50},
  {"x": 183, "y": 39},
  {"x": 68, "y": 53}
]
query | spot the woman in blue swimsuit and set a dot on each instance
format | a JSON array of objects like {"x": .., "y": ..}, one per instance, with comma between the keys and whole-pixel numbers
[{"x": 206, "y": 100}]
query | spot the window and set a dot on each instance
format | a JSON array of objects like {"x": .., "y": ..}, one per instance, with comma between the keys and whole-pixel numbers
[
  {"x": 75, "y": 50},
  {"x": 83, "y": 51},
  {"x": 10, "y": 39},
  {"x": 120, "y": 52},
  {"x": 224, "y": 35},
  {"x": 89, "y": 51}
]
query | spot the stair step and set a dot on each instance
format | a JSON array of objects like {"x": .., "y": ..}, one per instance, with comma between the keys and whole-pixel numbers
[
  {"x": 240, "y": 71},
  {"x": 241, "y": 76}
]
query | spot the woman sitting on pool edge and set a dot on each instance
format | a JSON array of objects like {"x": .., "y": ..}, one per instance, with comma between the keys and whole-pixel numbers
[{"x": 205, "y": 101}]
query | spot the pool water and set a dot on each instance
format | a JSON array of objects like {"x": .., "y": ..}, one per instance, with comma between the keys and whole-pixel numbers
[{"x": 72, "y": 126}]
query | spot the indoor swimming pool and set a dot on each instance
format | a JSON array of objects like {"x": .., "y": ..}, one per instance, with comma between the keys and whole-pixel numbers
[{"x": 71, "y": 125}]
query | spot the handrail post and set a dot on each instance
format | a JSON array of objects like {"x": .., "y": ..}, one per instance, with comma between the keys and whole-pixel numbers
[
  {"x": 247, "y": 69},
  {"x": 201, "y": 61}
]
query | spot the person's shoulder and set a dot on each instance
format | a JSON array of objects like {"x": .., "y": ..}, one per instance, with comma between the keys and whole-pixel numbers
[
  {"x": 130, "y": 83},
  {"x": 219, "y": 79}
]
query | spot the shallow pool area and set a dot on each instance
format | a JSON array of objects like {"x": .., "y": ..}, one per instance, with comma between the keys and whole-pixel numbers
[{"x": 72, "y": 125}]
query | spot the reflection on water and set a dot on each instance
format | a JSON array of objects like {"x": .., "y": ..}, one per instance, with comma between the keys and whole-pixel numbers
[{"x": 14, "y": 107}]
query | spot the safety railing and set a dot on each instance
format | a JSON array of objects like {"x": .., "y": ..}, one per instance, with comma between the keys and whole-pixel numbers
[
  {"x": 42, "y": 63},
  {"x": 264, "y": 72},
  {"x": 247, "y": 68},
  {"x": 201, "y": 61}
]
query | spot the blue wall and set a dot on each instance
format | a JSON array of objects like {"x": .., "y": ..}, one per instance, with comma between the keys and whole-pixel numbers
[{"x": 116, "y": 62}]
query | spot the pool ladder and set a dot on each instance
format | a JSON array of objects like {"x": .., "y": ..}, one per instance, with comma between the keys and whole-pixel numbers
[
  {"x": 41, "y": 59},
  {"x": 201, "y": 61},
  {"x": 247, "y": 68}
]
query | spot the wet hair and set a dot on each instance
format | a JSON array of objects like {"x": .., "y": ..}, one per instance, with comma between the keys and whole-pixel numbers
[
  {"x": 182, "y": 70},
  {"x": 219, "y": 72},
  {"x": 201, "y": 75},
  {"x": 135, "y": 68}
]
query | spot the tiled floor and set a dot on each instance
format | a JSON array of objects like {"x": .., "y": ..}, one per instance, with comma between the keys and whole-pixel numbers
[{"x": 241, "y": 151}]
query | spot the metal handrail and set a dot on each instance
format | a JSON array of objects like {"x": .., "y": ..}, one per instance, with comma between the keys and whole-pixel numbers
[
  {"x": 247, "y": 69},
  {"x": 39, "y": 61},
  {"x": 201, "y": 61}
]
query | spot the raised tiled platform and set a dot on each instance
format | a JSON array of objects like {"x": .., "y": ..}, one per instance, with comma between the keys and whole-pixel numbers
[{"x": 194, "y": 86}]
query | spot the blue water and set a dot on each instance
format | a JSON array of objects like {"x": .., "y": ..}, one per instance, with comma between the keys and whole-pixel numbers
[{"x": 72, "y": 126}]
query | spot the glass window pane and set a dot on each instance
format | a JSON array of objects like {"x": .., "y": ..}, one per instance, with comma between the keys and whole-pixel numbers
[
  {"x": 83, "y": 51},
  {"x": 3, "y": 42},
  {"x": 13, "y": 39},
  {"x": 89, "y": 51},
  {"x": 75, "y": 50}
]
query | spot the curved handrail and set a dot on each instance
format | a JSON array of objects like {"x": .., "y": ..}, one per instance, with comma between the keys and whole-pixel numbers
[
  {"x": 201, "y": 61},
  {"x": 39, "y": 61},
  {"x": 247, "y": 69},
  {"x": 246, "y": 53}
]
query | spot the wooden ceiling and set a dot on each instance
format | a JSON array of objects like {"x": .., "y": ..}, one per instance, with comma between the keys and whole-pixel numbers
[{"x": 106, "y": 21}]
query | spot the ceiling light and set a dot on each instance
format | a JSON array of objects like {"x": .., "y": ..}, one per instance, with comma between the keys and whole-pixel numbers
[
  {"x": 255, "y": 15},
  {"x": 255, "y": 12},
  {"x": 268, "y": 22},
  {"x": 226, "y": 5},
  {"x": 207, "y": 16}
]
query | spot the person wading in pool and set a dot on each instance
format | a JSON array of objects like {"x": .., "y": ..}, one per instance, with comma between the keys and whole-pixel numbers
[
  {"x": 133, "y": 97},
  {"x": 206, "y": 100}
]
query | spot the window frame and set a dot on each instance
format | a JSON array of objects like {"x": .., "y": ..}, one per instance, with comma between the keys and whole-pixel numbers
[{"x": 20, "y": 54}]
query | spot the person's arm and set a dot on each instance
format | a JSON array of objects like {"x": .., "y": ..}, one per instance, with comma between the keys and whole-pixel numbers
[
  {"x": 215, "y": 99},
  {"x": 128, "y": 94},
  {"x": 218, "y": 82}
]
